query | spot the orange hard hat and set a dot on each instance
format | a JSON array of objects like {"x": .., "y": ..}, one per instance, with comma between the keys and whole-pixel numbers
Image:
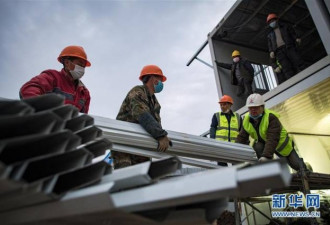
[
  {"x": 271, "y": 16},
  {"x": 226, "y": 98},
  {"x": 152, "y": 70},
  {"x": 74, "y": 51}
]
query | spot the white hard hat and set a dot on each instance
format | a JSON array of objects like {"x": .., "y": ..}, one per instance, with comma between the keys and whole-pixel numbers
[{"x": 254, "y": 100}]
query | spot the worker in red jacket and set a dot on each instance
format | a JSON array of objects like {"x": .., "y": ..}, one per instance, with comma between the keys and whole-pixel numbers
[{"x": 65, "y": 82}]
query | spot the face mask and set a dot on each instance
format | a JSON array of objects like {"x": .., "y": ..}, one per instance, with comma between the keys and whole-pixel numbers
[
  {"x": 255, "y": 117},
  {"x": 272, "y": 24},
  {"x": 236, "y": 59},
  {"x": 78, "y": 72},
  {"x": 227, "y": 111},
  {"x": 158, "y": 87}
]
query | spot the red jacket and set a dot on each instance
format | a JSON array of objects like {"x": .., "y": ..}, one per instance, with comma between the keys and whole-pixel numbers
[{"x": 53, "y": 81}]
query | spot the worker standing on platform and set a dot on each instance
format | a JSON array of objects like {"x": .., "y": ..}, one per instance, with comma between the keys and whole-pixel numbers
[
  {"x": 226, "y": 124},
  {"x": 269, "y": 136},
  {"x": 282, "y": 41},
  {"x": 242, "y": 73},
  {"x": 65, "y": 82},
  {"x": 141, "y": 106}
]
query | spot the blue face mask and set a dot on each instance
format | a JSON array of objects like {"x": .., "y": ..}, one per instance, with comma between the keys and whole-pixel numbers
[
  {"x": 255, "y": 117},
  {"x": 159, "y": 87},
  {"x": 272, "y": 24}
]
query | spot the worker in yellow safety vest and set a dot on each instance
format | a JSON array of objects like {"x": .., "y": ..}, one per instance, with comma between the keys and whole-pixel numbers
[
  {"x": 269, "y": 136},
  {"x": 226, "y": 124}
]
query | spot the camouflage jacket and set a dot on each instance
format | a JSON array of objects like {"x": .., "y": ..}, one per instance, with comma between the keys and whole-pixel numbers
[{"x": 137, "y": 102}]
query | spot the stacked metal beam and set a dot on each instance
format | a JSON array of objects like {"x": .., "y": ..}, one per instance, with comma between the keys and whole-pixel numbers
[
  {"x": 124, "y": 136},
  {"x": 47, "y": 175},
  {"x": 45, "y": 144},
  {"x": 198, "y": 198}
]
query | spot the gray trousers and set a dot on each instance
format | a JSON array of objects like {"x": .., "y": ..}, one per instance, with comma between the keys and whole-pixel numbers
[{"x": 292, "y": 159}]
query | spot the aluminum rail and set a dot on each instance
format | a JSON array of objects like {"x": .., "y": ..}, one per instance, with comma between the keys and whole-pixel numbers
[
  {"x": 186, "y": 145},
  {"x": 199, "y": 188},
  {"x": 159, "y": 155}
]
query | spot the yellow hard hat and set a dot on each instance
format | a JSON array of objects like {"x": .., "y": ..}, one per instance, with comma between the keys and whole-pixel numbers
[{"x": 235, "y": 53}]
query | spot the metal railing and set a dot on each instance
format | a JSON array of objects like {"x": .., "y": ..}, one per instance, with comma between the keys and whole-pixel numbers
[{"x": 264, "y": 78}]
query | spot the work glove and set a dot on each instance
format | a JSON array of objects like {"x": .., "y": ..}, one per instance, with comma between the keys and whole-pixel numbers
[
  {"x": 277, "y": 69},
  {"x": 298, "y": 40},
  {"x": 163, "y": 143},
  {"x": 272, "y": 55},
  {"x": 263, "y": 159}
]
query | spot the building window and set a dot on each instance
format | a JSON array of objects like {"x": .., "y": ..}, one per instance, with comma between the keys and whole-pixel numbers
[{"x": 264, "y": 78}]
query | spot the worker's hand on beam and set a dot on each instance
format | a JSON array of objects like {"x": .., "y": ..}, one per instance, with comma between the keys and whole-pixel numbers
[
  {"x": 264, "y": 159},
  {"x": 277, "y": 69},
  {"x": 163, "y": 143},
  {"x": 272, "y": 55}
]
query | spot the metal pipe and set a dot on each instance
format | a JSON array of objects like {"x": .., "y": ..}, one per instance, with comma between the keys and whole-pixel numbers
[{"x": 197, "y": 53}]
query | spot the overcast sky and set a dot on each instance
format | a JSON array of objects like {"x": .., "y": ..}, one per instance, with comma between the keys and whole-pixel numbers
[{"x": 119, "y": 37}]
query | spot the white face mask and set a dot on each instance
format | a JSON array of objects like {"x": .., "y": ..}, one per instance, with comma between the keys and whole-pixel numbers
[
  {"x": 236, "y": 59},
  {"x": 226, "y": 111},
  {"x": 272, "y": 24},
  {"x": 78, "y": 72}
]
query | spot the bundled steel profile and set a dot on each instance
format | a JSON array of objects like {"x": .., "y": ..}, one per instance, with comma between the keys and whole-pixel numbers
[
  {"x": 55, "y": 186},
  {"x": 79, "y": 122},
  {"x": 98, "y": 146},
  {"x": 51, "y": 180},
  {"x": 141, "y": 174},
  {"x": 198, "y": 188},
  {"x": 45, "y": 102},
  {"x": 17, "y": 108},
  {"x": 130, "y": 134},
  {"x": 39, "y": 159}
]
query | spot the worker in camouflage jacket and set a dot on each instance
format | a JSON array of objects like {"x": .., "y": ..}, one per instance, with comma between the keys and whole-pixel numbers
[{"x": 141, "y": 106}]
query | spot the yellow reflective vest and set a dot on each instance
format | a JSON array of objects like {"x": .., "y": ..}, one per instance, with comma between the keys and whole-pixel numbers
[
  {"x": 284, "y": 146},
  {"x": 225, "y": 132}
]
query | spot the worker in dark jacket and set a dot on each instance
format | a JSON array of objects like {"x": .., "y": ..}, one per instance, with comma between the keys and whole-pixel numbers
[
  {"x": 282, "y": 41},
  {"x": 241, "y": 73},
  {"x": 267, "y": 132},
  {"x": 65, "y": 82},
  {"x": 225, "y": 124},
  {"x": 141, "y": 106}
]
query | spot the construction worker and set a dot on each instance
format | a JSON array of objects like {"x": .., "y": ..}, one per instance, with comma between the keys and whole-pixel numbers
[
  {"x": 282, "y": 41},
  {"x": 226, "y": 124},
  {"x": 141, "y": 106},
  {"x": 241, "y": 73},
  {"x": 267, "y": 132},
  {"x": 65, "y": 82}
]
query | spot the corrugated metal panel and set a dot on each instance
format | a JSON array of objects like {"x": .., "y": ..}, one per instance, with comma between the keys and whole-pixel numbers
[{"x": 304, "y": 111}]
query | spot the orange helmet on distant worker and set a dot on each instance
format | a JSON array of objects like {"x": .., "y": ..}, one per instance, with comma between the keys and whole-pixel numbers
[
  {"x": 152, "y": 70},
  {"x": 226, "y": 98},
  {"x": 271, "y": 16},
  {"x": 74, "y": 51}
]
